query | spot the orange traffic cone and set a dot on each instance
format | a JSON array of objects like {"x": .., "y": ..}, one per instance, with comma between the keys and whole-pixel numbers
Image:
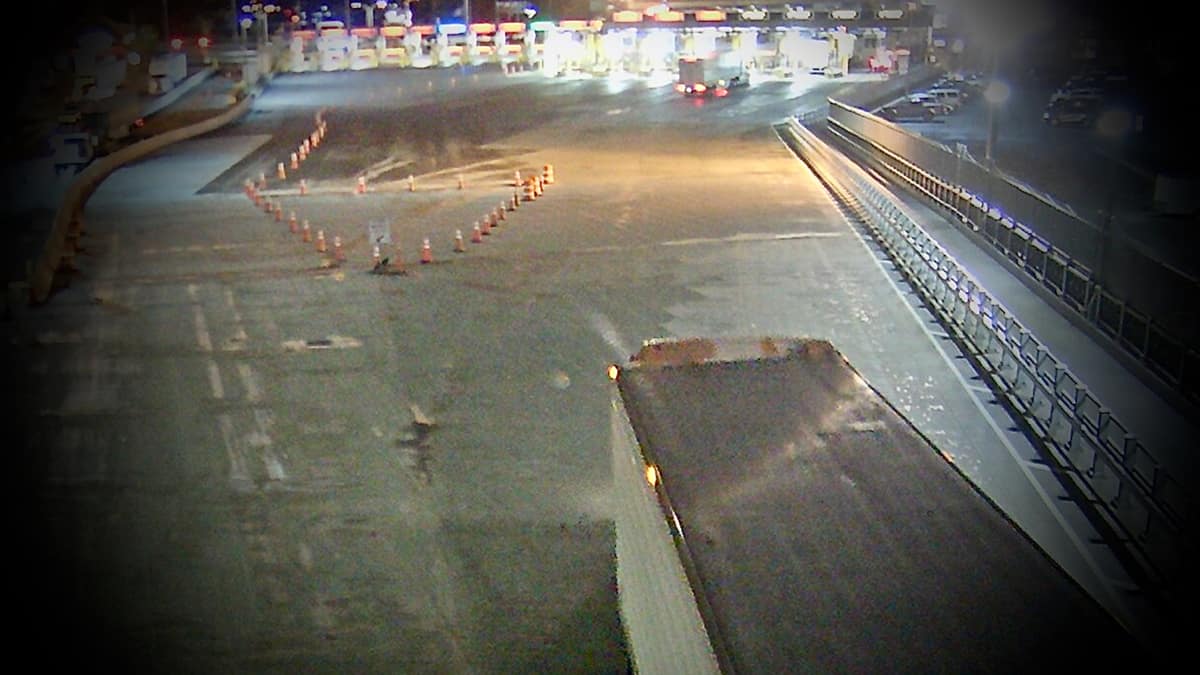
[
  {"x": 280, "y": 172},
  {"x": 305, "y": 233},
  {"x": 476, "y": 235},
  {"x": 375, "y": 257},
  {"x": 338, "y": 254},
  {"x": 303, "y": 187},
  {"x": 412, "y": 185},
  {"x": 517, "y": 178},
  {"x": 320, "y": 241},
  {"x": 459, "y": 247},
  {"x": 485, "y": 226},
  {"x": 548, "y": 174},
  {"x": 362, "y": 185},
  {"x": 295, "y": 161},
  {"x": 301, "y": 153},
  {"x": 306, "y": 147},
  {"x": 498, "y": 214},
  {"x": 278, "y": 213},
  {"x": 426, "y": 252},
  {"x": 461, "y": 183},
  {"x": 316, "y": 140},
  {"x": 292, "y": 225}
]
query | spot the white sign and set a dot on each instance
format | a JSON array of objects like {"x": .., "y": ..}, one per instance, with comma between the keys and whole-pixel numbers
[{"x": 379, "y": 232}]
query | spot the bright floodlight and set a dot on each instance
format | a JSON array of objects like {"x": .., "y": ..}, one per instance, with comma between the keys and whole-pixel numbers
[{"x": 996, "y": 92}]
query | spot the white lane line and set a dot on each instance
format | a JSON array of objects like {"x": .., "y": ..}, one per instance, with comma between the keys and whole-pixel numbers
[
  {"x": 752, "y": 236},
  {"x": 202, "y": 337},
  {"x": 239, "y": 474},
  {"x": 263, "y": 421},
  {"x": 249, "y": 382},
  {"x": 214, "y": 380},
  {"x": 238, "y": 341}
]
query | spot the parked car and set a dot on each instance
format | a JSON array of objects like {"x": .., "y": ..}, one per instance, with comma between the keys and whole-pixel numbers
[
  {"x": 930, "y": 101},
  {"x": 905, "y": 111},
  {"x": 951, "y": 96},
  {"x": 1074, "y": 111}
]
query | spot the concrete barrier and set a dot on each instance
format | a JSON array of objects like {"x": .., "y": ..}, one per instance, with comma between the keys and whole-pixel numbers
[{"x": 61, "y": 244}]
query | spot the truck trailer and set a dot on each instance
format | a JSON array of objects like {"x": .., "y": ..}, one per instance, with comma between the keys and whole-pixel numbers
[
  {"x": 817, "y": 530},
  {"x": 713, "y": 74}
]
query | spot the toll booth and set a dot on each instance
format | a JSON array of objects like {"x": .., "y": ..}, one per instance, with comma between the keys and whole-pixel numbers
[
  {"x": 333, "y": 46},
  {"x": 572, "y": 46},
  {"x": 510, "y": 41},
  {"x": 302, "y": 51},
  {"x": 393, "y": 53},
  {"x": 420, "y": 42},
  {"x": 450, "y": 46},
  {"x": 364, "y": 53},
  {"x": 481, "y": 43}
]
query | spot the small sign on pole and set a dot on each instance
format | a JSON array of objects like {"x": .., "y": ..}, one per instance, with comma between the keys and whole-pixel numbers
[{"x": 379, "y": 232}]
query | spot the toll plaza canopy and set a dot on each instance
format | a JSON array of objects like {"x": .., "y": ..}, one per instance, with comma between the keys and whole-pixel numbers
[{"x": 821, "y": 532}]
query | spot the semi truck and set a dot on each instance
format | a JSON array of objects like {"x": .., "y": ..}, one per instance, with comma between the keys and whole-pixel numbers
[
  {"x": 815, "y": 529},
  {"x": 713, "y": 74}
]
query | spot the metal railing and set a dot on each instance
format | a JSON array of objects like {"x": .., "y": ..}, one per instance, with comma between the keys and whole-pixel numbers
[
  {"x": 1137, "y": 307},
  {"x": 1150, "y": 512}
]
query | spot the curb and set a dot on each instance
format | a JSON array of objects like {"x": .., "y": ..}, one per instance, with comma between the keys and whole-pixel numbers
[{"x": 62, "y": 242}]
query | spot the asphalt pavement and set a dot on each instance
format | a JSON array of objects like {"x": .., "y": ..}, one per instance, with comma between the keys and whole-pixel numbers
[{"x": 219, "y": 430}]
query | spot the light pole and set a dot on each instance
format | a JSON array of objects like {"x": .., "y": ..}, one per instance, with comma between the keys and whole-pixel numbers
[{"x": 996, "y": 93}]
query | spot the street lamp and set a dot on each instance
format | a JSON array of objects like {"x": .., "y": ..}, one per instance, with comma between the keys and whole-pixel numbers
[{"x": 996, "y": 94}]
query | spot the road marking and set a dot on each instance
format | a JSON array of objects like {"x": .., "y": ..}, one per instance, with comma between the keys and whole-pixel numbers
[
  {"x": 249, "y": 383},
  {"x": 214, "y": 380},
  {"x": 239, "y": 474},
  {"x": 202, "y": 336},
  {"x": 751, "y": 237},
  {"x": 238, "y": 341}
]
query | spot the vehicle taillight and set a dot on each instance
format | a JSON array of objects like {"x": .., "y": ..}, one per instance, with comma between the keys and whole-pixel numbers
[
  {"x": 720, "y": 91},
  {"x": 679, "y": 88},
  {"x": 700, "y": 89}
]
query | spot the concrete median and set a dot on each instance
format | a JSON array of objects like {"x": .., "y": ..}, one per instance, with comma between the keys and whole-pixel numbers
[{"x": 62, "y": 242}]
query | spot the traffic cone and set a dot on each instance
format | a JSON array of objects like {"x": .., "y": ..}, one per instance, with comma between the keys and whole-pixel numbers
[
  {"x": 517, "y": 178},
  {"x": 459, "y": 247},
  {"x": 530, "y": 190},
  {"x": 295, "y": 161},
  {"x": 493, "y": 221},
  {"x": 280, "y": 172},
  {"x": 338, "y": 254},
  {"x": 461, "y": 183},
  {"x": 375, "y": 257},
  {"x": 301, "y": 153},
  {"x": 362, "y": 185},
  {"x": 262, "y": 180},
  {"x": 320, "y": 241},
  {"x": 305, "y": 232},
  {"x": 476, "y": 235},
  {"x": 315, "y": 139},
  {"x": 500, "y": 212},
  {"x": 248, "y": 187},
  {"x": 412, "y": 185},
  {"x": 278, "y": 213},
  {"x": 515, "y": 202},
  {"x": 258, "y": 199},
  {"x": 426, "y": 252},
  {"x": 307, "y": 147},
  {"x": 303, "y": 187},
  {"x": 548, "y": 174},
  {"x": 292, "y": 225}
]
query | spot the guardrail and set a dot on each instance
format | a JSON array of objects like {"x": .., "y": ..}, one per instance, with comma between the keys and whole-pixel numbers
[
  {"x": 61, "y": 245},
  {"x": 1062, "y": 260},
  {"x": 1150, "y": 513}
]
